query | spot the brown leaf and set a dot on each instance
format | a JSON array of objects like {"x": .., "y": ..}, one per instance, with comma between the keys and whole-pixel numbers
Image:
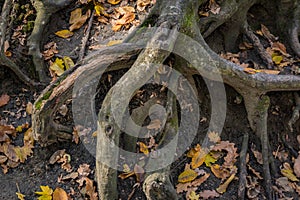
[
  {"x": 72, "y": 175},
  {"x": 142, "y": 4},
  {"x": 75, "y": 15},
  {"x": 125, "y": 9},
  {"x": 214, "y": 137},
  {"x": 10, "y": 152},
  {"x": 207, "y": 194},
  {"x": 3, "y": 159},
  {"x": 197, "y": 182},
  {"x": 84, "y": 169},
  {"x": 90, "y": 189},
  {"x": 267, "y": 33},
  {"x": 126, "y": 19},
  {"x": 219, "y": 171},
  {"x": 232, "y": 154},
  {"x": 4, "y": 99},
  {"x": 222, "y": 188},
  {"x": 257, "y": 154},
  {"x": 59, "y": 194},
  {"x": 23, "y": 152},
  {"x": 139, "y": 173},
  {"x": 297, "y": 166},
  {"x": 56, "y": 156}
]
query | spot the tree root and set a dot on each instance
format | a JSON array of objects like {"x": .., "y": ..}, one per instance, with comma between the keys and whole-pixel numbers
[
  {"x": 5, "y": 61},
  {"x": 295, "y": 115},
  {"x": 294, "y": 30},
  {"x": 44, "y": 10},
  {"x": 243, "y": 168}
]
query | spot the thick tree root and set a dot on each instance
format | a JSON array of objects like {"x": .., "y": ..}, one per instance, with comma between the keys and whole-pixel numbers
[
  {"x": 294, "y": 30},
  {"x": 295, "y": 115},
  {"x": 5, "y": 61}
]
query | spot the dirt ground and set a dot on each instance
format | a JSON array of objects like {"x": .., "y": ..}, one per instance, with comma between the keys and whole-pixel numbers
[{"x": 38, "y": 171}]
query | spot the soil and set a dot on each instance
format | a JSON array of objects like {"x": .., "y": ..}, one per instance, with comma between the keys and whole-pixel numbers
[{"x": 37, "y": 170}]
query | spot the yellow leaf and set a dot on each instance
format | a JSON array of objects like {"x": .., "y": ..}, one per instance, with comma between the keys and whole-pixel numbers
[
  {"x": 99, "y": 9},
  {"x": 20, "y": 196},
  {"x": 75, "y": 15},
  {"x": 114, "y": 42},
  {"x": 19, "y": 128},
  {"x": 187, "y": 176},
  {"x": 193, "y": 196},
  {"x": 219, "y": 171},
  {"x": 60, "y": 194},
  {"x": 250, "y": 70},
  {"x": 23, "y": 152},
  {"x": 45, "y": 194},
  {"x": 277, "y": 59},
  {"x": 198, "y": 159},
  {"x": 289, "y": 174},
  {"x": 113, "y": 2},
  {"x": 209, "y": 159},
  {"x": 68, "y": 62},
  {"x": 143, "y": 148},
  {"x": 58, "y": 66},
  {"x": 28, "y": 137},
  {"x": 64, "y": 33}
]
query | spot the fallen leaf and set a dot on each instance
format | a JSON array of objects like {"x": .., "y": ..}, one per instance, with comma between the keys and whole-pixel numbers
[
  {"x": 4, "y": 99},
  {"x": 143, "y": 148},
  {"x": 45, "y": 194},
  {"x": 60, "y": 194},
  {"x": 231, "y": 156},
  {"x": 265, "y": 31},
  {"x": 9, "y": 151},
  {"x": 222, "y": 188},
  {"x": 75, "y": 15},
  {"x": 28, "y": 137},
  {"x": 56, "y": 156},
  {"x": 84, "y": 170},
  {"x": 68, "y": 62},
  {"x": 139, "y": 173},
  {"x": 142, "y": 4},
  {"x": 193, "y": 196},
  {"x": 72, "y": 175},
  {"x": 257, "y": 154},
  {"x": 197, "y": 182},
  {"x": 113, "y": 42},
  {"x": 20, "y": 196},
  {"x": 297, "y": 166},
  {"x": 220, "y": 172},
  {"x": 126, "y": 19},
  {"x": 277, "y": 59},
  {"x": 78, "y": 22},
  {"x": 113, "y": 2},
  {"x": 187, "y": 176},
  {"x": 288, "y": 172},
  {"x": 209, "y": 159},
  {"x": 207, "y": 194},
  {"x": 214, "y": 137},
  {"x": 29, "y": 108},
  {"x": 198, "y": 159},
  {"x": 3, "y": 159},
  {"x": 124, "y": 9},
  {"x": 23, "y": 152},
  {"x": 64, "y": 33},
  {"x": 90, "y": 189}
]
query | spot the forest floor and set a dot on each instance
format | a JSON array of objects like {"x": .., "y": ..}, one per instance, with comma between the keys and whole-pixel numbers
[{"x": 37, "y": 170}]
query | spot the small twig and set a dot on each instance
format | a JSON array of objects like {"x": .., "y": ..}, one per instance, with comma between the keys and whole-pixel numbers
[
  {"x": 243, "y": 169},
  {"x": 86, "y": 37}
]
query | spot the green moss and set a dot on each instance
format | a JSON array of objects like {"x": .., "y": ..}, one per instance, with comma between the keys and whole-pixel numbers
[{"x": 46, "y": 96}]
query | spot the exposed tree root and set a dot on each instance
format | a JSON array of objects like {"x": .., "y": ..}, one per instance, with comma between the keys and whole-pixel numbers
[
  {"x": 5, "y": 61},
  {"x": 294, "y": 30},
  {"x": 44, "y": 8},
  {"x": 174, "y": 15},
  {"x": 295, "y": 115}
]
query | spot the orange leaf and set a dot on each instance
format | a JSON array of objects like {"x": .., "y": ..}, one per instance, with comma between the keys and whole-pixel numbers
[
  {"x": 187, "y": 176},
  {"x": 60, "y": 194},
  {"x": 198, "y": 159},
  {"x": 113, "y": 2}
]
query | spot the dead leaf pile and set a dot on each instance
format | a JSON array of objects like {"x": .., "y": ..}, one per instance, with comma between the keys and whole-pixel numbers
[
  {"x": 188, "y": 179},
  {"x": 10, "y": 155}
]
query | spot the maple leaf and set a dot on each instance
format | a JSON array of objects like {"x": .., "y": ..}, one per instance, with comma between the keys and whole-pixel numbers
[
  {"x": 23, "y": 152},
  {"x": 46, "y": 193},
  {"x": 143, "y": 148}
]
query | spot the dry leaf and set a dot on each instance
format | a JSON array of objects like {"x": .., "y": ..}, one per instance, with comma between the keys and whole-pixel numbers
[
  {"x": 126, "y": 175},
  {"x": 23, "y": 152},
  {"x": 4, "y": 99},
  {"x": 142, "y": 4},
  {"x": 257, "y": 154},
  {"x": 288, "y": 172},
  {"x": 197, "y": 182},
  {"x": 45, "y": 194},
  {"x": 113, "y": 42},
  {"x": 220, "y": 172},
  {"x": 198, "y": 159},
  {"x": 79, "y": 21},
  {"x": 64, "y": 33},
  {"x": 187, "y": 176},
  {"x": 126, "y": 19},
  {"x": 75, "y": 15},
  {"x": 207, "y": 194},
  {"x": 9, "y": 151},
  {"x": 20, "y": 196},
  {"x": 113, "y": 2},
  {"x": 3, "y": 159},
  {"x": 124, "y": 9},
  {"x": 193, "y": 196},
  {"x": 143, "y": 148},
  {"x": 29, "y": 108},
  {"x": 139, "y": 173},
  {"x": 72, "y": 175},
  {"x": 222, "y": 188},
  {"x": 84, "y": 170},
  {"x": 60, "y": 194},
  {"x": 297, "y": 166},
  {"x": 265, "y": 31},
  {"x": 90, "y": 189},
  {"x": 214, "y": 137},
  {"x": 56, "y": 156},
  {"x": 232, "y": 154}
]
